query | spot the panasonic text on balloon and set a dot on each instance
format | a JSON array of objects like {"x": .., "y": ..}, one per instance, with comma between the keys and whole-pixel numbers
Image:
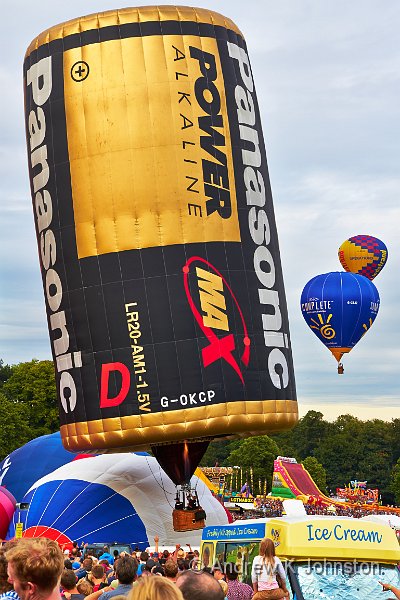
[
  {"x": 39, "y": 84},
  {"x": 258, "y": 220}
]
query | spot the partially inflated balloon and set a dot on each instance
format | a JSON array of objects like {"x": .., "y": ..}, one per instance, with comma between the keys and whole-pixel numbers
[
  {"x": 125, "y": 498},
  {"x": 7, "y": 507},
  {"x": 363, "y": 254},
  {"x": 156, "y": 232},
  {"x": 339, "y": 308}
]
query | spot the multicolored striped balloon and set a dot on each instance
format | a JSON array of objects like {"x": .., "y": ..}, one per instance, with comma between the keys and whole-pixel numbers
[{"x": 363, "y": 254}]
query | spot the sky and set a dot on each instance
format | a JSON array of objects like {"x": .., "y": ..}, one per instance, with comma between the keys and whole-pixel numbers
[{"x": 327, "y": 77}]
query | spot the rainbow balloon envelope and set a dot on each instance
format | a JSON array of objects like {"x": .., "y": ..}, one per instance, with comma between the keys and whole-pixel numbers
[{"x": 364, "y": 255}]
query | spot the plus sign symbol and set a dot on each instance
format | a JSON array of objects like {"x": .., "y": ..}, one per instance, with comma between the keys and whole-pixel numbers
[{"x": 80, "y": 70}]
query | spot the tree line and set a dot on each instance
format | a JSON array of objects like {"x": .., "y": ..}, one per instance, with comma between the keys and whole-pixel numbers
[{"x": 335, "y": 452}]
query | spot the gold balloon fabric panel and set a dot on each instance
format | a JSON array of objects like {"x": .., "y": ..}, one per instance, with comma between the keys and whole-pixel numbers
[
  {"x": 133, "y": 132},
  {"x": 156, "y": 232}
]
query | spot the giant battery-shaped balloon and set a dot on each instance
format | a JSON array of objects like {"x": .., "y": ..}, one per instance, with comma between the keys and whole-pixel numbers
[{"x": 156, "y": 231}]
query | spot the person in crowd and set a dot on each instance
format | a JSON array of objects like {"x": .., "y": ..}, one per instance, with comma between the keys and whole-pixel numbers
[
  {"x": 85, "y": 569},
  {"x": 149, "y": 565},
  {"x": 84, "y": 587},
  {"x": 106, "y": 554},
  {"x": 266, "y": 570},
  {"x": 387, "y": 587},
  {"x": 164, "y": 557},
  {"x": 126, "y": 569},
  {"x": 219, "y": 575},
  {"x": 199, "y": 585},
  {"x": 6, "y": 589},
  {"x": 144, "y": 557},
  {"x": 107, "y": 569},
  {"x": 155, "y": 588},
  {"x": 236, "y": 589},
  {"x": 34, "y": 568},
  {"x": 195, "y": 560},
  {"x": 98, "y": 577},
  {"x": 68, "y": 585},
  {"x": 76, "y": 553},
  {"x": 158, "y": 570},
  {"x": 171, "y": 570}
]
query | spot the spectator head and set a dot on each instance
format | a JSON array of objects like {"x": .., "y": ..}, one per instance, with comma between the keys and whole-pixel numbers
[
  {"x": 144, "y": 556},
  {"x": 115, "y": 553},
  {"x": 231, "y": 571},
  {"x": 154, "y": 588},
  {"x": 35, "y": 566},
  {"x": 98, "y": 571},
  {"x": 158, "y": 570},
  {"x": 104, "y": 562},
  {"x": 126, "y": 570},
  {"x": 68, "y": 580},
  {"x": 87, "y": 564},
  {"x": 5, "y": 586},
  {"x": 171, "y": 569},
  {"x": 218, "y": 571},
  {"x": 165, "y": 554},
  {"x": 149, "y": 564},
  {"x": 106, "y": 549},
  {"x": 84, "y": 587},
  {"x": 199, "y": 585}
]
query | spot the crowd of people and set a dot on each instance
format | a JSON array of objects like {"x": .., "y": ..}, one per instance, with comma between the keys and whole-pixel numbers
[
  {"x": 273, "y": 507},
  {"x": 37, "y": 569}
]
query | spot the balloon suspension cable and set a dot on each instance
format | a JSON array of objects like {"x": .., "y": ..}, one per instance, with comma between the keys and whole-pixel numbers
[{"x": 186, "y": 497}]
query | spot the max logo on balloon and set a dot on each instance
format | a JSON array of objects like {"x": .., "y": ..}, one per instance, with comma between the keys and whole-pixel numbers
[{"x": 211, "y": 314}]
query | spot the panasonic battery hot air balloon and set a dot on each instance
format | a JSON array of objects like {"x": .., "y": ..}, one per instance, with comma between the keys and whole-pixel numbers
[
  {"x": 339, "y": 308},
  {"x": 156, "y": 234}
]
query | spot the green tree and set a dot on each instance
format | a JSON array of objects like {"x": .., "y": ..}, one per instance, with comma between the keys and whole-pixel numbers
[
  {"x": 15, "y": 431},
  {"x": 316, "y": 471},
  {"x": 32, "y": 385},
  {"x": 217, "y": 452},
  {"x": 5, "y": 372},
  {"x": 395, "y": 482},
  {"x": 256, "y": 455},
  {"x": 310, "y": 434},
  {"x": 341, "y": 451},
  {"x": 376, "y": 462},
  {"x": 395, "y": 430}
]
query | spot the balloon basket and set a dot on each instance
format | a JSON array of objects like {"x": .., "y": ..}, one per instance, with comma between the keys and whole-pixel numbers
[
  {"x": 188, "y": 520},
  {"x": 340, "y": 369}
]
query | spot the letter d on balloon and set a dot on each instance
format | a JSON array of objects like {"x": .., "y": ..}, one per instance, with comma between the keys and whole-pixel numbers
[{"x": 106, "y": 369}]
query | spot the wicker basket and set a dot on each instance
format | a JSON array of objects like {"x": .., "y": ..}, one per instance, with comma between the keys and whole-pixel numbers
[{"x": 188, "y": 520}]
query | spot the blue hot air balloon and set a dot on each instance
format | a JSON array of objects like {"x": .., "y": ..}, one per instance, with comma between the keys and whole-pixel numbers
[
  {"x": 20, "y": 469},
  {"x": 339, "y": 308}
]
